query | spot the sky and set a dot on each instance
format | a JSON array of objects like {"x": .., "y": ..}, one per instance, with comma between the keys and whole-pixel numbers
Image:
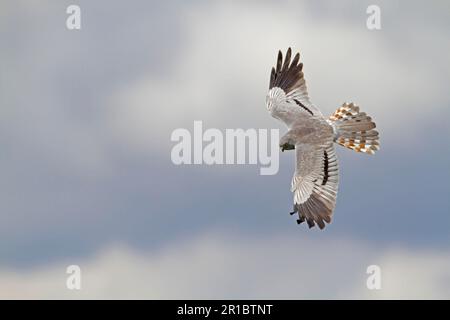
[{"x": 86, "y": 118}]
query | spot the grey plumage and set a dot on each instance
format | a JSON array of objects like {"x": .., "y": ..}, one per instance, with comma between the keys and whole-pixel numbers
[{"x": 316, "y": 177}]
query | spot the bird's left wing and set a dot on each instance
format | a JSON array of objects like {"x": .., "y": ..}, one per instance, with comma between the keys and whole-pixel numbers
[
  {"x": 315, "y": 183},
  {"x": 288, "y": 78}
]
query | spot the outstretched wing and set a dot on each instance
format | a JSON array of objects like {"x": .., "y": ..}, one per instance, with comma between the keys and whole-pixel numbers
[
  {"x": 288, "y": 76},
  {"x": 315, "y": 183}
]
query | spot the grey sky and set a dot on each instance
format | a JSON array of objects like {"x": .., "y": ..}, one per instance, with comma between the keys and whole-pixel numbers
[{"x": 86, "y": 118}]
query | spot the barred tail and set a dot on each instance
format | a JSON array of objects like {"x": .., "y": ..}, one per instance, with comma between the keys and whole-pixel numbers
[{"x": 354, "y": 129}]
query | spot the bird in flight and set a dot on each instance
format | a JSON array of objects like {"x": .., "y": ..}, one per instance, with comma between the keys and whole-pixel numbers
[{"x": 312, "y": 136}]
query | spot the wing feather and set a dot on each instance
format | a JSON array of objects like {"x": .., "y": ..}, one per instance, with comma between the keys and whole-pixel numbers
[
  {"x": 315, "y": 183},
  {"x": 288, "y": 76}
]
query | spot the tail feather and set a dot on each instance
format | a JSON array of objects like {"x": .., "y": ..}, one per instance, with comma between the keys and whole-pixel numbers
[{"x": 354, "y": 129}]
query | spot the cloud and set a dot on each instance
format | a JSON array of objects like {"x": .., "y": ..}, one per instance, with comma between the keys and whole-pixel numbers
[
  {"x": 220, "y": 75},
  {"x": 217, "y": 265},
  {"x": 86, "y": 119},
  {"x": 409, "y": 274}
]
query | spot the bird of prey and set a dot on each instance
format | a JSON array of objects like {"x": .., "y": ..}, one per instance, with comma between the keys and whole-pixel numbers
[{"x": 312, "y": 136}]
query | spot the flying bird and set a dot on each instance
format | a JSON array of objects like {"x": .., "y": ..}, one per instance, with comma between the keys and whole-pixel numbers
[{"x": 312, "y": 136}]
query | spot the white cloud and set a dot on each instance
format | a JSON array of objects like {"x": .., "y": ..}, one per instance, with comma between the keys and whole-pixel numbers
[
  {"x": 221, "y": 73},
  {"x": 412, "y": 275},
  {"x": 230, "y": 266}
]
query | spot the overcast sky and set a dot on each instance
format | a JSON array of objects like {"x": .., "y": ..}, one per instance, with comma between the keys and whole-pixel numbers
[{"x": 85, "y": 123}]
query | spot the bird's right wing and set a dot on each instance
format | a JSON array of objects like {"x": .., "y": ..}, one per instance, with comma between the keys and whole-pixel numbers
[
  {"x": 287, "y": 80},
  {"x": 315, "y": 183}
]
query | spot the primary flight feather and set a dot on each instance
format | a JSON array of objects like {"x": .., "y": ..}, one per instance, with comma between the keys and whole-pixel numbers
[{"x": 315, "y": 180}]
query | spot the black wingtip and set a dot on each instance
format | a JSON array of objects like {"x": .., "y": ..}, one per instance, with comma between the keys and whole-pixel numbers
[
  {"x": 287, "y": 73},
  {"x": 296, "y": 60}
]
